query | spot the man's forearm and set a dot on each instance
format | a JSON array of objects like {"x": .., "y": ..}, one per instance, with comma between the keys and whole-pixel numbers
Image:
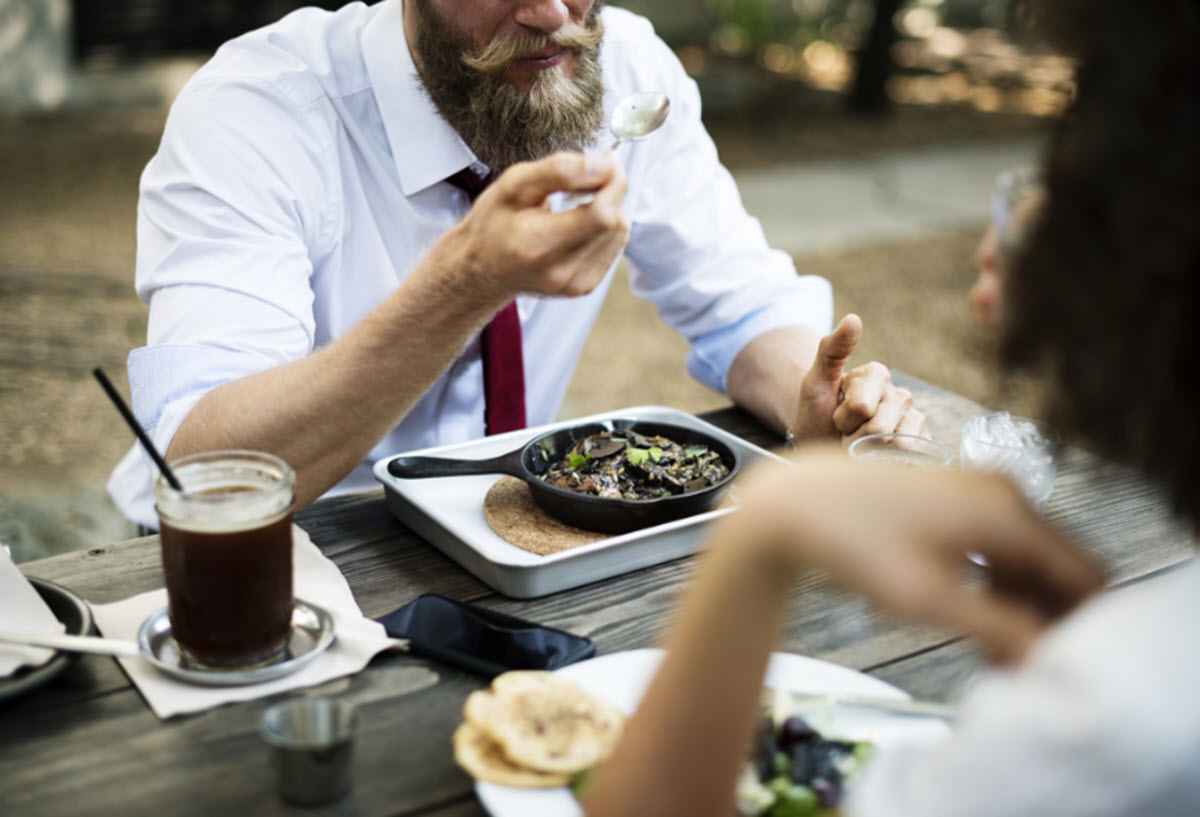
[
  {"x": 766, "y": 375},
  {"x": 324, "y": 413}
]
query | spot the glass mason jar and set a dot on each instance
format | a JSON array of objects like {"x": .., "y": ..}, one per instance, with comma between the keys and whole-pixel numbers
[{"x": 227, "y": 557}]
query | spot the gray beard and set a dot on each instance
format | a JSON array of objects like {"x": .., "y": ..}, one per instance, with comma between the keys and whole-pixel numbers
[{"x": 502, "y": 124}]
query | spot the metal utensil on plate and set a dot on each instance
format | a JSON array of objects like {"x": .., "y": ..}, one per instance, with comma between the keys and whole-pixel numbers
[
  {"x": 73, "y": 643},
  {"x": 893, "y": 706},
  {"x": 313, "y": 632}
]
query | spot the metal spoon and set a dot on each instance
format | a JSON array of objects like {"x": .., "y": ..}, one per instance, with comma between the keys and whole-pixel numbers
[
  {"x": 112, "y": 646},
  {"x": 894, "y": 706},
  {"x": 73, "y": 643},
  {"x": 635, "y": 117}
]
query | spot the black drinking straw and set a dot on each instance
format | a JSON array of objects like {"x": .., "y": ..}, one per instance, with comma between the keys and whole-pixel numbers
[{"x": 142, "y": 436}]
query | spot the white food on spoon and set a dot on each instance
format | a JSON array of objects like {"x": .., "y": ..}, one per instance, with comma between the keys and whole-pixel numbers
[{"x": 635, "y": 117}]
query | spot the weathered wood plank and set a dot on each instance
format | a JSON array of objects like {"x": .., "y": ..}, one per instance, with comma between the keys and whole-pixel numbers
[
  {"x": 105, "y": 574},
  {"x": 468, "y": 807},
  {"x": 635, "y": 611},
  {"x": 112, "y": 756},
  {"x": 941, "y": 674},
  {"x": 944, "y": 672}
]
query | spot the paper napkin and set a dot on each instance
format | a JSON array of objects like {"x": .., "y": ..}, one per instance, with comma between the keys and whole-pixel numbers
[
  {"x": 22, "y": 610},
  {"x": 317, "y": 580}
]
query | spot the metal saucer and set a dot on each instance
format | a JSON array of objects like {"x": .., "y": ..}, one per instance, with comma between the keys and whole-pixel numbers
[{"x": 312, "y": 633}]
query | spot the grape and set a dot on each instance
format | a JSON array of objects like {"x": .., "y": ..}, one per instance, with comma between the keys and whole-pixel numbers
[
  {"x": 828, "y": 791},
  {"x": 802, "y": 762},
  {"x": 764, "y": 751},
  {"x": 826, "y": 757},
  {"x": 794, "y": 730}
]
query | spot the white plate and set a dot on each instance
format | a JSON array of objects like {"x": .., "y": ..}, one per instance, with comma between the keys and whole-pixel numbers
[{"x": 621, "y": 678}]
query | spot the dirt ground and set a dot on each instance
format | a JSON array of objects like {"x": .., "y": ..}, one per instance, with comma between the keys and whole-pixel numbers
[{"x": 66, "y": 303}]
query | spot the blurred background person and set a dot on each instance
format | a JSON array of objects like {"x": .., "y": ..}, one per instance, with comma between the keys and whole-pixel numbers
[{"x": 1014, "y": 205}]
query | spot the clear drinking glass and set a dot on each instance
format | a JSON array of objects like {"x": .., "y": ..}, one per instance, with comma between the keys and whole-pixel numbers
[
  {"x": 910, "y": 450},
  {"x": 901, "y": 449},
  {"x": 227, "y": 557},
  {"x": 1018, "y": 447}
]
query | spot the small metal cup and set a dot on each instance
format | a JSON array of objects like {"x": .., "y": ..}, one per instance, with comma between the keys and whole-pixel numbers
[{"x": 313, "y": 741}]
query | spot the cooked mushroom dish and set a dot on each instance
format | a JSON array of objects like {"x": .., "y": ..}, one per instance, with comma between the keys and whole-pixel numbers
[{"x": 628, "y": 465}]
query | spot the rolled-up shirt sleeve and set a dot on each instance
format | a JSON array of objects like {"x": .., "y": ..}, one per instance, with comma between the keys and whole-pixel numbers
[
  {"x": 695, "y": 251},
  {"x": 228, "y": 228}
]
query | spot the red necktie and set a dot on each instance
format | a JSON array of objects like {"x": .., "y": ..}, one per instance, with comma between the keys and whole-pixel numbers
[{"x": 499, "y": 345}]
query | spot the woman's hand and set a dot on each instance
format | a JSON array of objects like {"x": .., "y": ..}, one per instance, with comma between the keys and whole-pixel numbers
[{"x": 901, "y": 538}]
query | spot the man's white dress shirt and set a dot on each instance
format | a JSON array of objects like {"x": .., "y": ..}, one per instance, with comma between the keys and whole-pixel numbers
[
  {"x": 301, "y": 176},
  {"x": 1103, "y": 720}
]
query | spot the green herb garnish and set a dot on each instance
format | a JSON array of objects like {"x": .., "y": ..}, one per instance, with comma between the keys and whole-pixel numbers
[
  {"x": 580, "y": 782},
  {"x": 637, "y": 456},
  {"x": 656, "y": 453},
  {"x": 575, "y": 460}
]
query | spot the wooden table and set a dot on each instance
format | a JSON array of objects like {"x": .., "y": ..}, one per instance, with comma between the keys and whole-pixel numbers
[{"x": 88, "y": 745}]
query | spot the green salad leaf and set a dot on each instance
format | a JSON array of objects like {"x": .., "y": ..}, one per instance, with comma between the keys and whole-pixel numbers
[
  {"x": 637, "y": 456},
  {"x": 792, "y": 800},
  {"x": 580, "y": 782}
]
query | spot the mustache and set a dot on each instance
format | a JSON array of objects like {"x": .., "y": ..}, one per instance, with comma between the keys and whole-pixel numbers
[{"x": 502, "y": 51}]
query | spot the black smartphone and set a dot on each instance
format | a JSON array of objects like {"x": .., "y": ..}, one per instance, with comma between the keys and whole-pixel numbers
[{"x": 480, "y": 640}]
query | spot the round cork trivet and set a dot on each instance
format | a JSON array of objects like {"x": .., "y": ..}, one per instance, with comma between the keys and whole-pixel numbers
[{"x": 516, "y": 518}]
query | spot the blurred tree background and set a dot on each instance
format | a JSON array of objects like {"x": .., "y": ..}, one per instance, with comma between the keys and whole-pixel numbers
[{"x": 745, "y": 53}]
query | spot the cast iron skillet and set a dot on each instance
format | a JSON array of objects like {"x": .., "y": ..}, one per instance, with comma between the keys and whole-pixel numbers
[{"x": 534, "y": 458}]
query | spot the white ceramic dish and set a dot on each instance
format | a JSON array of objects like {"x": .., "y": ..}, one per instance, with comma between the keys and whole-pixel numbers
[
  {"x": 448, "y": 512},
  {"x": 621, "y": 678}
]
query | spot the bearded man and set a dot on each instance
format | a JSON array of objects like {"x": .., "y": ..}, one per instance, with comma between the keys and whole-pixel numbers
[{"x": 345, "y": 243}]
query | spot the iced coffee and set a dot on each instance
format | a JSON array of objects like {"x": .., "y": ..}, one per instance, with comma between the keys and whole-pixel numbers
[{"x": 227, "y": 556}]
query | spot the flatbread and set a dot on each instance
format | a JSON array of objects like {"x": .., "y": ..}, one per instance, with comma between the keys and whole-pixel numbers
[
  {"x": 545, "y": 723},
  {"x": 514, "y": 516},
  {"x": 521, "y": 679},
  {"x": 481, "y": 758}
]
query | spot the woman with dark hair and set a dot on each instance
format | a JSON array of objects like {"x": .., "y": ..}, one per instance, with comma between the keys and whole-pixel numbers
[{"x": 1094, "y": 708}]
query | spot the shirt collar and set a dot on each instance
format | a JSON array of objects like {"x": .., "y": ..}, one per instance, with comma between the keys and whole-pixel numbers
[{"x": 424, "y": 147}]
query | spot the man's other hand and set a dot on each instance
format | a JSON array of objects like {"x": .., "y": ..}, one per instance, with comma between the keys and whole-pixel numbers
[
  {"x": 511, "y": 242},
  {"x": 854, "y": 403}
]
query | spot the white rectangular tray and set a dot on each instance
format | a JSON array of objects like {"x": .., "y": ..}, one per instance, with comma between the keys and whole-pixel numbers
[{"x": 448, "y": 512}]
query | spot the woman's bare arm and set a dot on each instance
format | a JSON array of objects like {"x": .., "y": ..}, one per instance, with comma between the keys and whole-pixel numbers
[{"x": 898, "y": 537}]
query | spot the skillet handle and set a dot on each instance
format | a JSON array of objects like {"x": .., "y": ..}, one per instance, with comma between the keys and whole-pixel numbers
[{"x": 426, "y": 467}]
